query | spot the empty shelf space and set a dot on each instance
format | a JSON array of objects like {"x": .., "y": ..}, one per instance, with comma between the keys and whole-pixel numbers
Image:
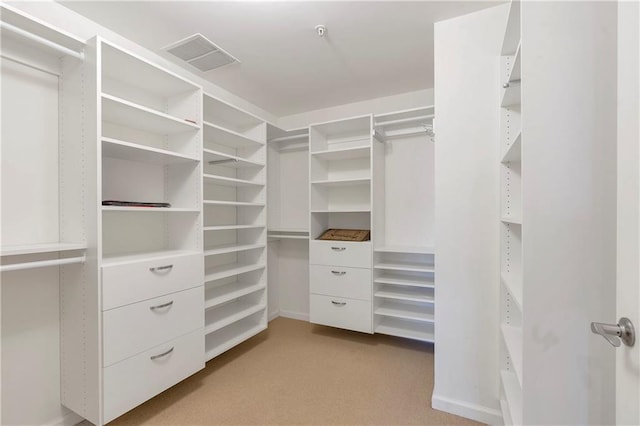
[
  {"x": 516, "y": 66},
  {"x": 513, "y": 340},
  {"x": 114, "y": 148},
  {"x": 342, "y": 182},
  {"x": 227, "y": 181},
  {"x": 231, "y": 248},
  {"x": 512, "y": 220},
  {"x": 221, "y": 136},
  {"x": 137, "y": 257},
  {"x": 405, "y": 281},
  {"x": 408, "y": 267},
  {"x": 232, "y": 203},
  {"x": 514, "y": 287},
  {"x": 511, "y": 94},
  {"x": 221, "y": 159},
  {"x": 231, "y": 227},
  {"x": 513, "y": 394},
  {"x": 123, "y": 112},
  {"x": 405, "y": 249},
  {"x": 407, "y": 329},
  {"x": 400, "y": 293},
  {"x": 230, "y": 270},
  {"x": 23, "y": 249},
  {"x": 218, "y": 295},
  {"x": 404, "y": 311},
  {"x": 344, "y": 153},
  {"x": 219, "y": 317},
  {"x": 230, "y": 336},
  {"x": 514, "y": 152},
  {"x": 223, "y": 114},
  {"x": 149, "y": 209}
]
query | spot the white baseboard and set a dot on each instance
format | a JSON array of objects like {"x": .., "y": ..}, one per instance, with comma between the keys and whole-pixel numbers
[
  {"x": 295, "y": 315},
  {"x": 470, "y": 411},
  {"x": 273, "y": 315},
  {"x": 69, "y": 419}
]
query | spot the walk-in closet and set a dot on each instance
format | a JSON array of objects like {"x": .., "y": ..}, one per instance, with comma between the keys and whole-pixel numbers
[{"x": 319, "y": 212}]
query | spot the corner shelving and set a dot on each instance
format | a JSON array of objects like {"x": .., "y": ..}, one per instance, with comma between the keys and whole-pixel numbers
[{"x": 235, "y": 237}]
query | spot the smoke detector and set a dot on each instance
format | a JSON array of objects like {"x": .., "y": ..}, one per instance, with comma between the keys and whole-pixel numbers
[{"x": 200, "y": 52}]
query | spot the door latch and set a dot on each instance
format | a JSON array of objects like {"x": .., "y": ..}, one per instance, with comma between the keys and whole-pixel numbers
[{"x": 614, "y": 333}]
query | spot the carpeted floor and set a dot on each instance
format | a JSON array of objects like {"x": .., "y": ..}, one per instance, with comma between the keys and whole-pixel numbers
[{"x": 299, "y": 373}]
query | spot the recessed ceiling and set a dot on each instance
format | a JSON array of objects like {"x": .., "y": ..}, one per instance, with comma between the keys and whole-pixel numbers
[{"x": 371, "y": 49}]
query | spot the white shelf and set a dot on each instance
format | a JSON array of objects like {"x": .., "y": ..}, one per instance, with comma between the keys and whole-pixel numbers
[
  {"x": 218, "y": 295},
  {"x": 232, "y": 203},
  {"x": 405, "y": 249},
  {"x": 506, "y": 415},
  {"x": 511, "y": 95},
  {"x": 130, "y": 114},
  {"x": 514, "y": 288},
  {"x": 409, "y": 312},
  {"x": 114, "y": 148},
  {"x": 514, "y": 396},
  {"x": 227, "y": 115},
  {"x": 514, "y": 152},
  {"x": 511, "y": 38},
  {"x": 221, "y": 136},
  {"x": 409, "y": 282},
  {"x": 407, "y": 267},
  {"x": 137, "y": 257},
  {"x": 149, "y": 209},
  {"x": 512, "y": 220},
  {"x": 231, "y": 248},
  {"x": 513, "y": 340},
  {"x": 227, "y": 181},
  {"x": 343, "y": 153},
  {"x": 227, "y": 160},
  {"x": 231, "y": 227},
  {"x": 226, "y": 271},
  {"x": 23, "y": 249},
  {"x": 342, "y": 182},
  {"x": 219, "y": 317},
  {"x": 342, "y": 211},
  {"x": 231, "y": 336},
  {"x": 516, "y": 67},
  {"x": 287, "y": 237},
  {"x": 407, "y": 329},
  {"x": 292, "y": 230},
  {"x": 408, "y": 294}
]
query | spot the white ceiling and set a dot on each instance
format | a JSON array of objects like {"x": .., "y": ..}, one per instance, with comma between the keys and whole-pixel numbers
[{"x": 371, "y": 49}]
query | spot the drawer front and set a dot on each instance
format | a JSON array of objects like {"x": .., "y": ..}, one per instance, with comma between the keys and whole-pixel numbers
[
  {"x": 341, "y": 312},
  {"x": 353, "y": 283},
  {"x": 131, "y": 329},
  {"x": 340, "y": 253},
  {"x": 133, "y": 282},
  {"x": 131, "y": 382}
]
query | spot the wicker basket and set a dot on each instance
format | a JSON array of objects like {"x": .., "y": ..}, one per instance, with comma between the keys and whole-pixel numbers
[{"x": 346, "y": 235}]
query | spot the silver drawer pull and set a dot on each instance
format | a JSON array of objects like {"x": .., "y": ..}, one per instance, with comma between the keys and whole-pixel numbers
[
  {"x": 338, "y": 303},
  {"x": 154, "y": 357},
  {"x": 338, "y": 272},
  {"x": 164, "y": 305},
  {"x": 161, "y": 268},
  {"x": 338, "y": 248}
]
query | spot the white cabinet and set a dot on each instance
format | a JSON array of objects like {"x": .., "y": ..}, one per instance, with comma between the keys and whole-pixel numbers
[{"x": 234, "y": 242}]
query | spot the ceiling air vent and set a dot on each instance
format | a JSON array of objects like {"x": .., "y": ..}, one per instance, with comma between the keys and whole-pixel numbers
[{"x": 200, "y": 53}]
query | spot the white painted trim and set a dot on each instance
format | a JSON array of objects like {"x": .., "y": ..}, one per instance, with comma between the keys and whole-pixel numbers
[
  {"x": 464, "y": 409},
  {"x": 273, "y": 315},
  {"x": 69, "y": 419},
  {"x": 295, "y": 315}
]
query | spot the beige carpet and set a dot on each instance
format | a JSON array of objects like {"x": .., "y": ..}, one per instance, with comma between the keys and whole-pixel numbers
[{"x": 300, "y": 373}]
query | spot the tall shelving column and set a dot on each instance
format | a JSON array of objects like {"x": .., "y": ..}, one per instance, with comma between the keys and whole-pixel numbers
[
  {"x": 511, "y": 279},
  {"x": 340, "y": 196},
  {"x": 235, "y": 233},
  {"x": 404, "y": 255}
]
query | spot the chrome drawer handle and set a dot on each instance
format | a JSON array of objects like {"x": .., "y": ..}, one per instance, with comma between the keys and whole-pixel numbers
[
  {"x": 164, "y": 305},
  {"x": 338, "y": 303},
  {"x": 338, "y": 272},
  {"x": 154, "y": 357},
  {"x": 338, "y": 248},
  {"x": 161, "y": 268}
]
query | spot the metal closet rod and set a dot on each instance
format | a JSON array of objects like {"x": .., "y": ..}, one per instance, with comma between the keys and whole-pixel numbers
[
  {"x": 290, "y": 138},
  {"x": 403, "y": 120},
  {"x": 41, "y": 264},
  {"x": 41, "y": 40}
]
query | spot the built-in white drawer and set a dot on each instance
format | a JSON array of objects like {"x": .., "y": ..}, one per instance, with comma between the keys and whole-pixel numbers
[
  {"x": 125, "y": 283},
  {"x": 131, "y": 329},
  {"x": 131, "y": 382},
  {"x": 353, "y": 283},
  {"x": 340, "y": 253},
  {"x": 341, "y": 312}
]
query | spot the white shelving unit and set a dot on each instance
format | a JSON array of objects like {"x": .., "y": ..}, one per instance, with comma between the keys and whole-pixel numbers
[
  {"x": 511, "y": 283},
  {"x": 404, "y": 256},
  {"x": 235, "y": 237}
]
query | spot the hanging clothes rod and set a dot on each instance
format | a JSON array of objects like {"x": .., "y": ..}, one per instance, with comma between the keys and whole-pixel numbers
[
  {"x": 404, "y": 120},
  {"x": 41, "y": 264},
  {"x": 230, "y": 160},
  {"x": 289, "y": 138},
  {"x": 28, "y": 65},
  {"x": 41, "y": 40}
]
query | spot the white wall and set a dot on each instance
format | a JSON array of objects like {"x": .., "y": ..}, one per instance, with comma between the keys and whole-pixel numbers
[{"x": 467, "y": 278}]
